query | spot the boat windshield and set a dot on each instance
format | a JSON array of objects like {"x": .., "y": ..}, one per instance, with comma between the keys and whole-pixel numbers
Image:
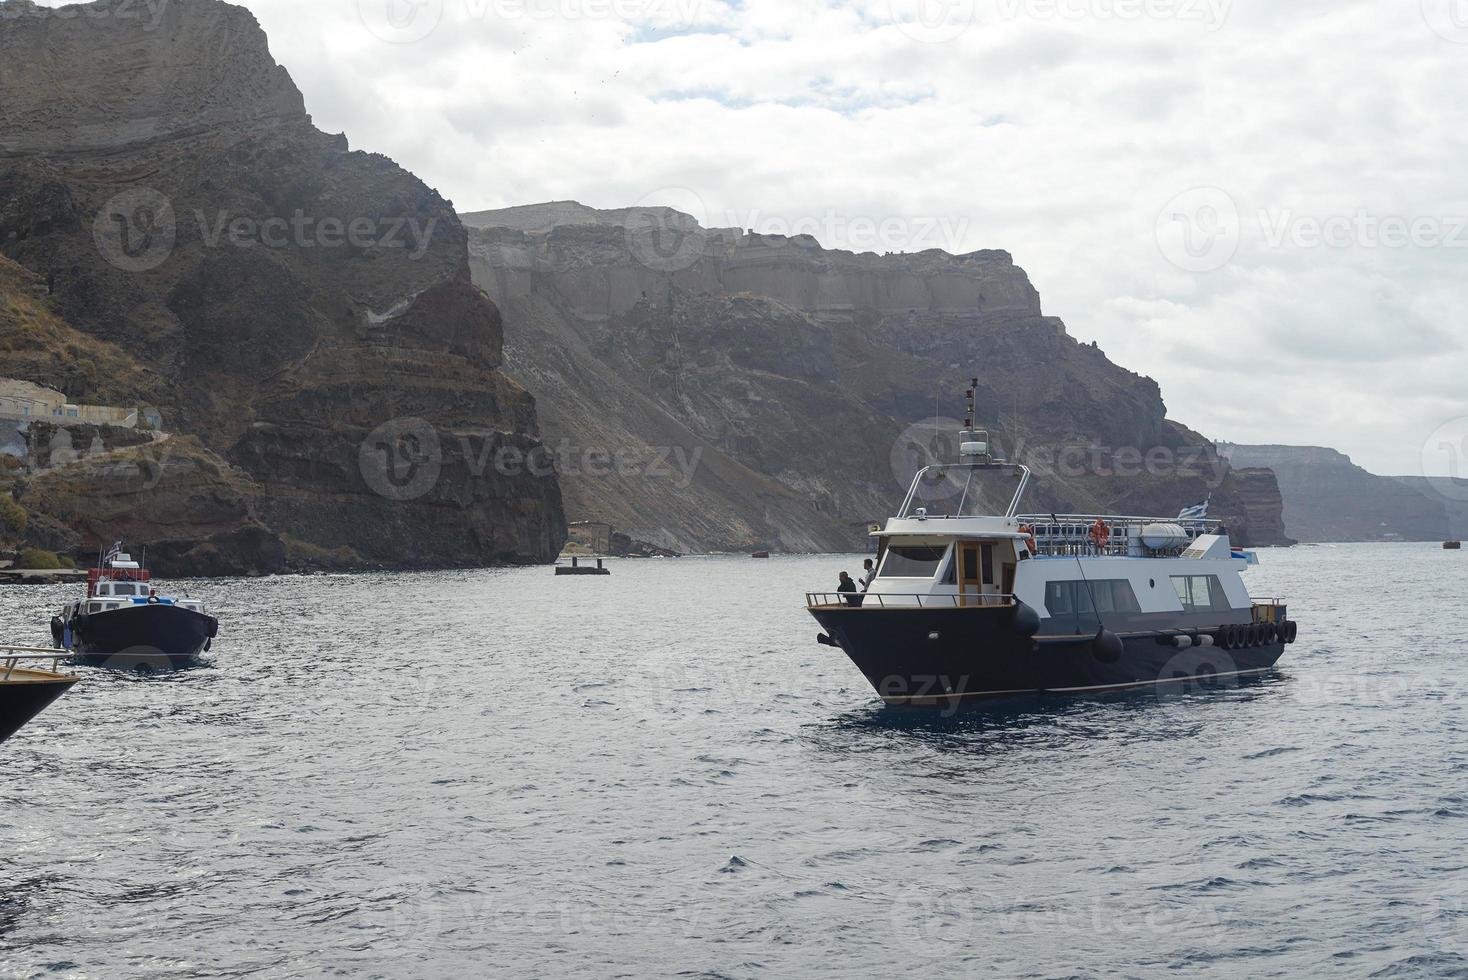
[{"x": 967, "y": 490}]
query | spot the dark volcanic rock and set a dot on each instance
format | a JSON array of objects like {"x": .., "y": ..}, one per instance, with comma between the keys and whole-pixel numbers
[
  {"x": 796, "y": 384},
  {"x": 192, "y": 511},
  {"x": 278, "y": 296}
]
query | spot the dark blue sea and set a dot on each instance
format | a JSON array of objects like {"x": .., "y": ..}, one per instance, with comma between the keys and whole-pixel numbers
[{"x": 661, "y": 773}]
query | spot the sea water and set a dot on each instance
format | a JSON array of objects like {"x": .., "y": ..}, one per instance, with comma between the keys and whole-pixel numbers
[{"x": 660, "y": 772}]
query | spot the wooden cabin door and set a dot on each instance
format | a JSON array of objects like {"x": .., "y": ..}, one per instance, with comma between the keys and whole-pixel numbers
[{"x": 976, "y": 573}]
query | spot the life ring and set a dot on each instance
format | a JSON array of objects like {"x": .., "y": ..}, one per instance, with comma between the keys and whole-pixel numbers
[{"x": 1100, "y": 534}]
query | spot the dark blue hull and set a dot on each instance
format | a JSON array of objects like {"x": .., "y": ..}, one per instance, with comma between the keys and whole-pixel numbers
[
  {"x": 938, "y": 655},
  {"x": 156, "y": 636},
  {"x": 25, "y": 696}
]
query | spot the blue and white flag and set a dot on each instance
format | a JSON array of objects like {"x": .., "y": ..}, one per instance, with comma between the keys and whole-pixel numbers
[
  {"x": 113, "y": 553},
  {"x": 1197, "y": 512}
]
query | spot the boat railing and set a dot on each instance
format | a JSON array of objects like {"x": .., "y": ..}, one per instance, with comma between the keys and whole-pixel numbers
[
  {"x": 903, "y": 600},
  {"x": 11, "y": 659},
  {"x": 1073, "y": 535}
]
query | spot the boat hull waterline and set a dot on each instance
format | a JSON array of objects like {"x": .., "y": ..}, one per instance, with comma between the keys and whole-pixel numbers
[
  {"x": 155, "y": 636},
  {"x": 933, "y": 657},
  {"x": 26, "y": 694}
]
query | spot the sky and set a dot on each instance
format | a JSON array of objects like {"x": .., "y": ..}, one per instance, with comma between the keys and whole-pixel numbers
[{"x": 1261, "y": 204}]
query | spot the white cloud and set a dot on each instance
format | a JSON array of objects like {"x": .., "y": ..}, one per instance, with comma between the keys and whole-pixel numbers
[{"x": 1056, "y": 129}]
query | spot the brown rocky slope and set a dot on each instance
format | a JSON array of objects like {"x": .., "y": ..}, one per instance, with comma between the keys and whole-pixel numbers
[
  {"x": 296, "y": 306},
  {"x": 802, "y": 381}
]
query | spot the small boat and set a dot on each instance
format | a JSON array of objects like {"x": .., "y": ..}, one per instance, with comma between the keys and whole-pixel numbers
[
  {"x": 760, "y": 554},
  {"x": 973, "y": 599},
  {"x": 576, "y": 568},
  {"x": 1452, "y": 546},
  {"x": 26, "y": 691},
  {"x": 124, "y": 622}
]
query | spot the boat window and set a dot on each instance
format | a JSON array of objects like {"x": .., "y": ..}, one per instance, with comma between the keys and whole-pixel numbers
[
  {"x": 913, "y": 560},
  {"x": 1200, "y": 593},
  {"x": 1075, "y": 597},
  {"x": 1060, "y": 598}
]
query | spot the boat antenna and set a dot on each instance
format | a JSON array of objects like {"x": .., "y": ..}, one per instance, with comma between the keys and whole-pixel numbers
[{"x": 968, "y": 422}]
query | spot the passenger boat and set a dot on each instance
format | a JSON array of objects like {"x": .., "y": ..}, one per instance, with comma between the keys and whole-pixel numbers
[
  {"x": 973, "y": 598},
  {"x": 26, "y": 691},
  {"x": 124, "y": 622}
]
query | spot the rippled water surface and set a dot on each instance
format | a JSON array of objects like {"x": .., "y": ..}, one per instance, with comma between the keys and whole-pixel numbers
[{"x": 660, "y": 772}]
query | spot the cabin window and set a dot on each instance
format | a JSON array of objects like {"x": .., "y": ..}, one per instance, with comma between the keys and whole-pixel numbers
[
  {"x": 913, "y": 560},
  {"x": 1111, "y": 596},
  {"x": 1200, "y": 593}
]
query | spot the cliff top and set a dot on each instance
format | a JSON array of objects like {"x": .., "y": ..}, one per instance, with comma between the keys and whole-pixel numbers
[
  {"x": 565, "y": 219},
  {"x": 115, "y": 75}
]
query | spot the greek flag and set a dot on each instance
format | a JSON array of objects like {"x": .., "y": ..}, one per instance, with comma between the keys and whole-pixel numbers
[
  {"x": 1197, "y": 512},
  {"x": 113, "y": 553}
]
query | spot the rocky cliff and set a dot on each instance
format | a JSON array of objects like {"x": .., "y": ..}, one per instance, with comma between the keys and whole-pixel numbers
[
  {"x": 710, "y": 389},
  {"x": 1329, "y": 498},
  {"x": 304, "y": 310}
]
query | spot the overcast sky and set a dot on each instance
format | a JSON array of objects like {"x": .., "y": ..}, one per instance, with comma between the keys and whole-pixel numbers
[{"x": 1260, "y": 203}]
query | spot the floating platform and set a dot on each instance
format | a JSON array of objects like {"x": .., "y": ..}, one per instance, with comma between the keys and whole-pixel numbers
[
  {"x": 1452, "y": 546},
  {"x": 576, "y": 568}
]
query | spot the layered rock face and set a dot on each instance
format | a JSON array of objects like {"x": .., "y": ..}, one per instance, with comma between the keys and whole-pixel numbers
[
  {"x": 790, "y": 391},
  {"x": 1329, "y": 498},
  {"x": 306, "y": 311}
]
